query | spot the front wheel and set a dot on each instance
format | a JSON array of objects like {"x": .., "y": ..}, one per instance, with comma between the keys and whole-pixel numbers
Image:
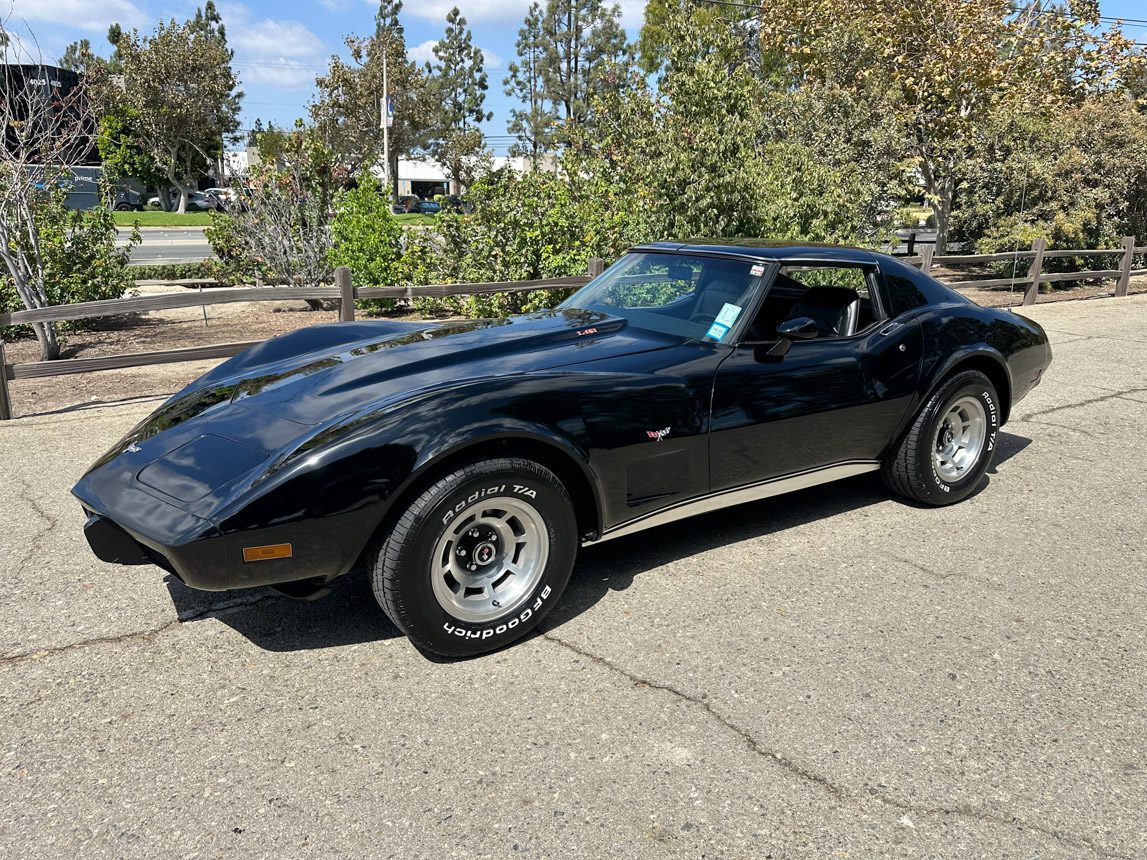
[
  {"x": 478, "y": 558},
  {"x": 943, "y": 456}
]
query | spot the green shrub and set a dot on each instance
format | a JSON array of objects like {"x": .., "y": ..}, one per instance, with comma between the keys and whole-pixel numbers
[
  {"x": 80, "y": 259},
  {"x": 523, "y": 226},
  {"x": 233, "y": 263},
  {"x": 173, "y": 271},
  {"x": 366, "y": 238}
]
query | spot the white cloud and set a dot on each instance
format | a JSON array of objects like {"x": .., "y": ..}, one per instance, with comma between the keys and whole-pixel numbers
[
  {"x": 277, "y": 53},
  {"x": 93, "y": 15},
  {"x": 271, "y": 38},
  {"x": 632, "y": 15},
  {"x": 474, "y": 11},
  {"x": 423, "y": 52},
  {"x": 501, "y": 11}
]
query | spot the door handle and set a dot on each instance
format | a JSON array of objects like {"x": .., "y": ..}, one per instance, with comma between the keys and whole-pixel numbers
[{"x": 891, "y": 327}]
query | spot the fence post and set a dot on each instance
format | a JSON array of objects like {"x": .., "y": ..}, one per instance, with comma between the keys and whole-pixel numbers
[
  {"x": 926, "y": 254},
  {"x": 346, "y": 294},
  {"x": 911, "y": 245},
  {"x": 5, "y": 398},
  {"x": 596, "y": 266},
  {"x": 1034, "y": 271},
  {"x": 1125, "y": 267}
]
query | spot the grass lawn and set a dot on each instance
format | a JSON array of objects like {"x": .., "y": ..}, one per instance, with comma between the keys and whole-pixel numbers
[
  {"x": 202, "y": 219},
  {"x": 163, "y": 219},
  {"x": 414, "y": 220}
]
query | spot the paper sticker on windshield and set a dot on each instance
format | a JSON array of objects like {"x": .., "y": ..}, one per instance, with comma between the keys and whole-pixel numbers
[
  {"x": 728, "y": 315},
  {"x": 757, "y": 270},
  {"x": 717, "y": 331}
]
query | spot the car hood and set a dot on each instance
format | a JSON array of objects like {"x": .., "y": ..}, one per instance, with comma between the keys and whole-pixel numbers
[{"x": 284, "y": 389}]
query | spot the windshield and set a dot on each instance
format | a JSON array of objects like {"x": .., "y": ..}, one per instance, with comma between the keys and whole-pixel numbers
[{"x": 679, "y": 294}]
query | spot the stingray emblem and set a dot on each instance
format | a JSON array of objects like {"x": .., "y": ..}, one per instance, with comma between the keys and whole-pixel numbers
[
  {"x": 132, "y": 449},
  {"x": 657, "y": 434}
]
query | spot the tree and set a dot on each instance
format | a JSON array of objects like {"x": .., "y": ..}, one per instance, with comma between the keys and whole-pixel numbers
[
  {"x": 533, "y": 123},
  {"x": 122, "y": 156},
  {"x": 583, "y": 39},
  {"x": 76, "y": 56},
  {"x": 347, "y": 111},
  {"x": 49, "y": 253},
  {"x": 950, "y": 71},
  {"x": 706, "y": 154},
  {"x": 284, "y": 228},
  {"x": 664, "y": 18},
  {"x": 457, "y": 86},
  {"x": 179, "y": 90}
]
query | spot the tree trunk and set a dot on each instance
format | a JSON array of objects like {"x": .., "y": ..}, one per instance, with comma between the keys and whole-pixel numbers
[
  {"x": 182, "y": 200},
  {"x": 942, "y": 209},
  {"x": 49, "y": 340}
]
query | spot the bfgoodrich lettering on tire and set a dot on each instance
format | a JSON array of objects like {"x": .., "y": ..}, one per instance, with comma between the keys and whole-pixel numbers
[
  {"x": 943, "y": 456},
  {"x": 478, "y": 558}
]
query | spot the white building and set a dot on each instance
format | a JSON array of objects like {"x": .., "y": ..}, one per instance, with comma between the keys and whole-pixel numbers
[{"x": 424, "y": 178}]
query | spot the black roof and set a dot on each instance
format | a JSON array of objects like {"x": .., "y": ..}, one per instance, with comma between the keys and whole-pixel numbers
[{"x": 765, "y": 249}]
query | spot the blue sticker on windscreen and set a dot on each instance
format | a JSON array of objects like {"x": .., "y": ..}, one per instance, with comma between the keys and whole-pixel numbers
[{"x": 717, "y": 331}]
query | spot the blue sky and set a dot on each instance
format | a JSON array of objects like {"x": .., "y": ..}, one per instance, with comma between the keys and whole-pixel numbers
[{"x": 280, "y": 47}]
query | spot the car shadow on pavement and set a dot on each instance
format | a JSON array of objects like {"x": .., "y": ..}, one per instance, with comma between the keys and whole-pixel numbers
[
  {"x": 1007, "y": 446},
  {"x": 613, "y": 565},
  {"x": 349, "y": 615}
]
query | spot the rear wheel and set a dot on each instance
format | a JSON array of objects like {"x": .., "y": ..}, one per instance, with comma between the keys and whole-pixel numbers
[
  {"x": 943, "y": 456},
  {"x": 478, "y": 558}
]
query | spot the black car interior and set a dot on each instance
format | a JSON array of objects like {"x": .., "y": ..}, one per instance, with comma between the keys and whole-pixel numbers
[{"x": 837, "y": 311}]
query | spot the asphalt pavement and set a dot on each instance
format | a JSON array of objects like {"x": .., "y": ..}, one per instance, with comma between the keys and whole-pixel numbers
[
  {"x": 167, "y": 245},
  {"x": 829, "y": 674}
]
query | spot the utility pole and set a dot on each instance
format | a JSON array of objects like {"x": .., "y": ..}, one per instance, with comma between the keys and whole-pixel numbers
[{"x": 385, "y": 120}]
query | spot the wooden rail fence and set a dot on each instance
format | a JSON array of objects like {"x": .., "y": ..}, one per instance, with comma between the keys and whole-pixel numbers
[{"x": 345, "y": 293}]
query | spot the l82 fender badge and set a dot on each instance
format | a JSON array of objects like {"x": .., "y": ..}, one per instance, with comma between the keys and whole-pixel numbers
[{"x": 657, "y": 435}]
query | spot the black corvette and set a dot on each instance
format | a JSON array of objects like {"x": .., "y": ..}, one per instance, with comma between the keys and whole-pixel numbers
[{"x": 464, "y": 463}]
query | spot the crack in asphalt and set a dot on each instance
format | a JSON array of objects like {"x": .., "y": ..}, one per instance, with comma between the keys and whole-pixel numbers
[
  {"x": 215, "y": 611},
  {"x": 24, "y": 494},
  {"x": 1068, "y": 427},
  {"x": 823, "y": 782},
  {"x": 1078, "y": 337},
  {"x": 942, "y": 575},
  {"x": 1113, "y": 396}
]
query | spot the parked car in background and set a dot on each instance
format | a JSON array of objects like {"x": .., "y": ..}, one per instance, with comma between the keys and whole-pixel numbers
[
  {"x": 454, "y": 203},
  {"x": 426, "y": 207},
  {"x": 226, "y": 196},
  {"x": 197, "y": 201},
  {"x": 127, "y": 200},
  {"x": 405, "y": 204}
]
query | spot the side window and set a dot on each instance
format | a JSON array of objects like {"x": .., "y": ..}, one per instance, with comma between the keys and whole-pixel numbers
[
  {"x": 824, "y": 276},
  {"x": 839, "y": 299},
  {"x": 901, "y": 295}
]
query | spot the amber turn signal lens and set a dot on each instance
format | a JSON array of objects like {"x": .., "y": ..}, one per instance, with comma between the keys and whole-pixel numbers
[{"x": 265, "y": 553}]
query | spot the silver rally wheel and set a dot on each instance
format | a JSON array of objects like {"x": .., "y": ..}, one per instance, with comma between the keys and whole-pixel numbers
[
  {"x": 489, "y": 559},
  {"x": 959, "y": 440},
  {"x": 478, "y": 557}
]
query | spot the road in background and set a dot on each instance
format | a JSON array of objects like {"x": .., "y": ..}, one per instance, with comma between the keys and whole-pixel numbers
[
  {"x": 167, "y": 245},
  {"x": 833, "y": 673}
]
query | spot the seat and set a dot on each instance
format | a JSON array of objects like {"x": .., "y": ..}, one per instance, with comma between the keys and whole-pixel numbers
[
  {"x": 721, "y": 283},
  {"x": 834, "y": 310}
]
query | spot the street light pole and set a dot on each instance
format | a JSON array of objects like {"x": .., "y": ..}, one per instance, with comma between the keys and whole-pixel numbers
[{"x": 386, "y": 128}]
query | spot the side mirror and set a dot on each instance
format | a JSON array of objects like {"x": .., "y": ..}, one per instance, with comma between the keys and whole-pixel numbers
[{"x": 801, "y": 328}]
